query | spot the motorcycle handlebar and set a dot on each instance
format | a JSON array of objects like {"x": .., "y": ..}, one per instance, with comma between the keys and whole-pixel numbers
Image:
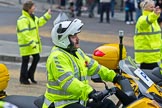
[
  {"x": 109, "y": 92},
  {"x": 106, "y": 93}
]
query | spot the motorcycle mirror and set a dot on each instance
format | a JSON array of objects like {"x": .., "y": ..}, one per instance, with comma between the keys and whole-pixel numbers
[
  {"x": 96, "y": 78},
  {"x": 121, "y": 33}
]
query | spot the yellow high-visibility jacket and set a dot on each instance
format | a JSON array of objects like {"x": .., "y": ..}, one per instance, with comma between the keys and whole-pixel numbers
[
  {"x": 68, "y": 77},
  {"x": 147, "y": 39},
  {"x": 28, "y": 33}
]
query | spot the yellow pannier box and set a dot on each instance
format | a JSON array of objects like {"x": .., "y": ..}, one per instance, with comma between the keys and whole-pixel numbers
[{"x": 108, "y": 55}]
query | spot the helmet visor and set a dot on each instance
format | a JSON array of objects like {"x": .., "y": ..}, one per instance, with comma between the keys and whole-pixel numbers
[{"x": 60, "y": 18}]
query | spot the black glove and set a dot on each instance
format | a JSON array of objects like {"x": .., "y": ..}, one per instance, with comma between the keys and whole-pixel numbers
[
  {"x": 96, "y": 95},
  {"x": 117, "y": 78}
]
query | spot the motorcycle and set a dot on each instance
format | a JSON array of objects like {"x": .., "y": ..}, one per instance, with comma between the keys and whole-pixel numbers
[
  {"x": 127, "y": 97},
  {"x": 150, "y": 91}
]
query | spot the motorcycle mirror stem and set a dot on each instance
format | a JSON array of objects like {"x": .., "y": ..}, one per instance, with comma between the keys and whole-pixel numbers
[{"x": 121, "y": 34}]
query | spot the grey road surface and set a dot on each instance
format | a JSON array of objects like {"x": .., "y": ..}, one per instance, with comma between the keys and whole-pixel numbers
[{"x": 9, "y": 16}]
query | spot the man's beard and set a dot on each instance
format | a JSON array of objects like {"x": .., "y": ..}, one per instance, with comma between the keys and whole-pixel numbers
[{"x": 72, "y": 47}]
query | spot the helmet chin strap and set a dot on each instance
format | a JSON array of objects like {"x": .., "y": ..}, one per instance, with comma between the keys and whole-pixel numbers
[{"x": 71, "y": 47}]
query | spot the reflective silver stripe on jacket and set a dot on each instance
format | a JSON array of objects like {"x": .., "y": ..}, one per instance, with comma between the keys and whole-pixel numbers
[
  {"x": 58, "y": 64},
  {"x": 25, "y": 29},
  {"x": 76, "y": 69},
  {"x": 148, "y": 20},
  {"x": 24, "y": 45},
  {"x": 45, "y": 18},
  {"x": 148, "y": 33},
  {"x": 148, "y": 51},
  {"x": 149, "y": 23},
  {"x": 66, "y": 85},
  {"x": 53, "y": 83},
  {"x": 58, "y": 92},
  {"x": 64, "y": 102},
  {"x": 97, "y": 69},
  {"x": 60, "y": 103},
  {"x": 64, "y": 76},
  {"x": 83, "y": 78},
  {"x": 47, "y": 102},
  {"x": 61, "y": 78},
  {"x": 80, "y": 52},
  {"x": 56, "y": 83},
  {"x": 152, "y": 28},
  {"x": 91, "y": 63}
]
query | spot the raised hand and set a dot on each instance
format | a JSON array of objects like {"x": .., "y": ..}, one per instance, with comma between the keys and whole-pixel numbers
[
  {"x": 157, "y": 10},
  {"x": 49, "y": 11}
]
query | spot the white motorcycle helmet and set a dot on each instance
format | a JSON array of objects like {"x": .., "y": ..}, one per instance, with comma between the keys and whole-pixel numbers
[{"x": 62, "y": 30}]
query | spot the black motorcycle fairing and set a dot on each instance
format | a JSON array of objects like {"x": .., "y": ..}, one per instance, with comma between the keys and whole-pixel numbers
[
  {"x": 157, "y": 97},
  {"x": 154, "y": 75},
  {"x": 39, "y": 101}
]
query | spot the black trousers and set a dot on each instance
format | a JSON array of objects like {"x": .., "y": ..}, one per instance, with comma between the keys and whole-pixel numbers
[
  {"x": 26, "y": 73},
  {"x": 148, "y": 65},
  {"x": 107, "y": 103},
  {"x": 129, "y": 15},
  {"x": 105, "y": 7}
]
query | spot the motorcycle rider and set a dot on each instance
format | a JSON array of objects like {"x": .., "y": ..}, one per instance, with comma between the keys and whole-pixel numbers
[
  {"x": 147, "y": 39},
  {"x": 68, "y": 68}
]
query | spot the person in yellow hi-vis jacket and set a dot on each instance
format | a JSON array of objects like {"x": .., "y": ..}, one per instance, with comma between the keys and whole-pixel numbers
[
  {"x": 68, "y": 68},
  {"x": 147, "y": 39},
  {"x": 4, "y": 104},
  {"x": 29, "y": 40}
]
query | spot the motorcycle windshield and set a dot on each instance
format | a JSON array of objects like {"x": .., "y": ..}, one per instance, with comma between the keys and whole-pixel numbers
[
  {"x": 129, "y": 69},
  {"x": 61, "y": 17}
]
